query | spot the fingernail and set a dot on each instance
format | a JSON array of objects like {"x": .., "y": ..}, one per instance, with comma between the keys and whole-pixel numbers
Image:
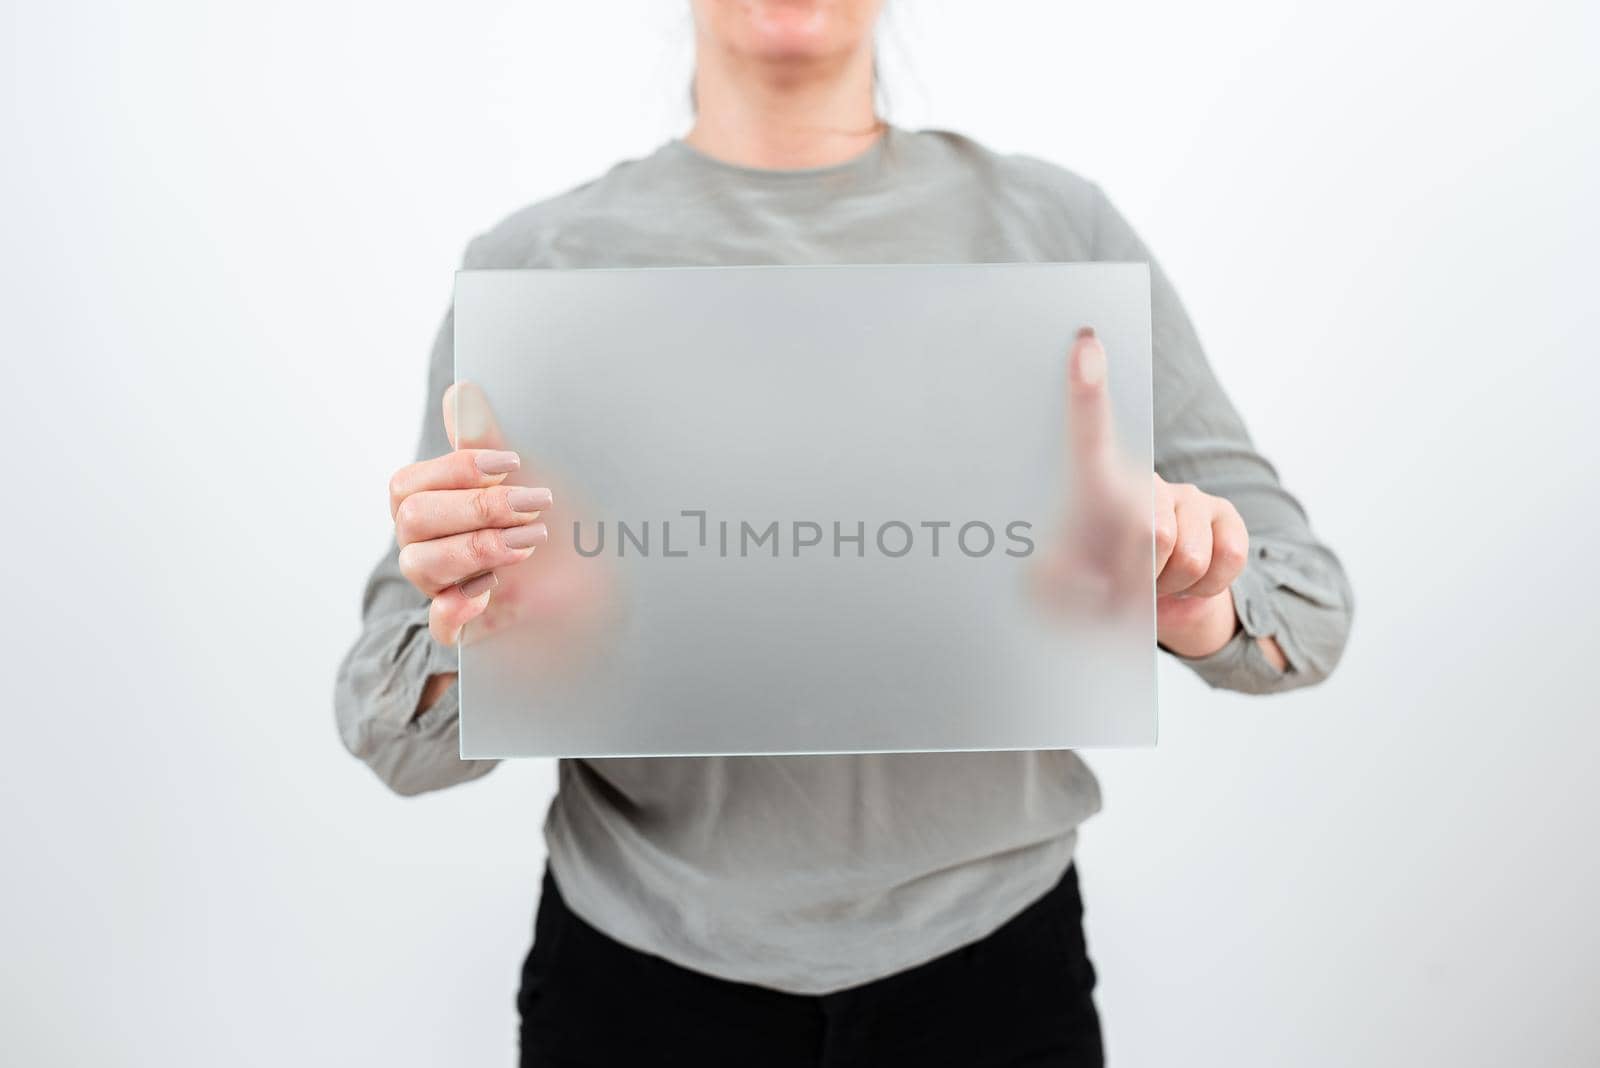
[
  {"x": 1091, "y": 363},
  {"x": 1085, "y": 331},
  {"x": 485, "y": 582},
  {"x": 497, "y": 462},
  {"x": 527, "y": 499},
  {"x": 527, "y": 537}
]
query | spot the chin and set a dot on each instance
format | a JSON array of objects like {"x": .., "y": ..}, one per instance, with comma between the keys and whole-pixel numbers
[{"x": 788, "y": 29}]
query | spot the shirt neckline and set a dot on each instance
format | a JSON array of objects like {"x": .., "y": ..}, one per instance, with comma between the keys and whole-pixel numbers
[{"x": 859, "y": 165}]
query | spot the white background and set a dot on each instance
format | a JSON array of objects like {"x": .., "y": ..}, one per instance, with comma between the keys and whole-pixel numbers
[{"x": 229, "y": 231}]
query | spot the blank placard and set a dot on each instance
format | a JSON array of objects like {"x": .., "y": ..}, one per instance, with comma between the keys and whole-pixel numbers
[{"x": 812, "y": 510}]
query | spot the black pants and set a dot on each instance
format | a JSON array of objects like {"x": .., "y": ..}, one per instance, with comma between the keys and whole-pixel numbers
[{"x": 1021, "y": 996}]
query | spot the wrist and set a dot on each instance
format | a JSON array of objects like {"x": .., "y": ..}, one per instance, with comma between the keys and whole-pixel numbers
[{"x": 1196, "y": 626}]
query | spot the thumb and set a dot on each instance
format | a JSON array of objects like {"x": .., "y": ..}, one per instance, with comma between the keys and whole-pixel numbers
[{"x": 469, "y": 419}]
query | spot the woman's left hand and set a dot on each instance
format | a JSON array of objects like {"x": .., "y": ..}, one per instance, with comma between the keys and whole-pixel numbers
[{"x": 1201, "y": 543}]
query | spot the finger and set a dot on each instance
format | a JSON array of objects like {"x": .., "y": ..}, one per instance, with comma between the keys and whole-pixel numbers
[
  {"x": 1091, "y": 442},
  {"x": 1230, "y": 544},
  {"x": 459, "y": 605},
  {"x": 1164, "y": 523},
  {"x": 432, "y": 514},
  {"x": 1191, "y": 554},
  {"x": 469, "y": 420},
  {"x": 464, "y": 469},
  {"x": 434, "y": 566}
]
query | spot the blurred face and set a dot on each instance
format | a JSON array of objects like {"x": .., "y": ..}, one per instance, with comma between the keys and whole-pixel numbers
[{"x": 787, "y": 30}]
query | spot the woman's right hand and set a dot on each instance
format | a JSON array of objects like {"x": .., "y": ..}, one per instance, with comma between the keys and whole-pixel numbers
[{"x": 456, "y": 523}]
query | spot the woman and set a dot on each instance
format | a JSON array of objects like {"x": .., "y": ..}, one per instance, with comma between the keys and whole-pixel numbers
[{"x": 882, "y": 909}]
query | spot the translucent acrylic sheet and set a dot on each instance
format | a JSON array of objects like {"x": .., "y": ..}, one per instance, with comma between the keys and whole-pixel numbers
[{"x": 813, "y": 510}]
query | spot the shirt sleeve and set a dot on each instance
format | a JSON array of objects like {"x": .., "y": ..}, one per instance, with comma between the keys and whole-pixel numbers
[
  {"x": 1293, "y": 589},
  {"x": 381, "y": 680}
]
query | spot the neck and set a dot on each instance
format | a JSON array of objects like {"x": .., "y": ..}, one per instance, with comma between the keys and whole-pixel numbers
[{"x": 783, "y": 116}]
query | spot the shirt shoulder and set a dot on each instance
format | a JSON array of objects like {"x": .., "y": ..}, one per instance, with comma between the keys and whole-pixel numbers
[
  {"x": 528, "y": 236},
  {"x": 1034, "y": 188}
]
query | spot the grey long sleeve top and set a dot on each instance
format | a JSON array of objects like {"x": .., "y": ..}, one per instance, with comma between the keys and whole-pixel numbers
[{"x": 812, "y": 874}]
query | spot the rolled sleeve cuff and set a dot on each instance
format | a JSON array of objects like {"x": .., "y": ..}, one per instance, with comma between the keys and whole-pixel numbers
[
  {"x": 417, "y": 658},
  {"x": 1240, "y": 664}
]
